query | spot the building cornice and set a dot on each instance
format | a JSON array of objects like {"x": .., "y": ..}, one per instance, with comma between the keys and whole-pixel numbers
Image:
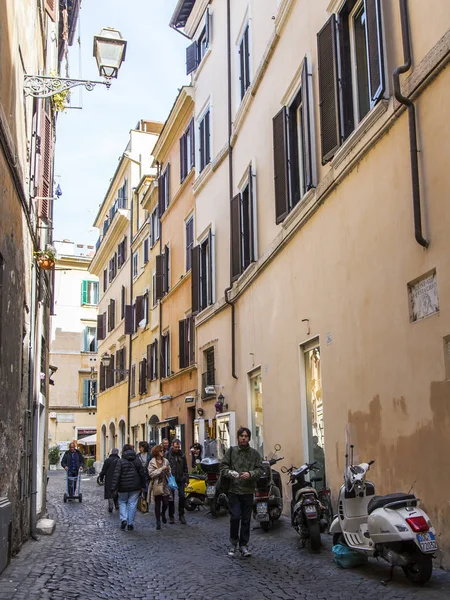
[
  {"x": 171, "y": 130},
  {"x": 80, "y": 263},
  {"x": 112, "y": 237},
  {"x": 195, "y": 17}
]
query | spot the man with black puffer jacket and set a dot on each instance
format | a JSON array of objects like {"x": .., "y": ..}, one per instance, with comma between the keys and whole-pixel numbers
[
  {"x": 129, "y": 481},
  {"x": 179, "y": 469}
]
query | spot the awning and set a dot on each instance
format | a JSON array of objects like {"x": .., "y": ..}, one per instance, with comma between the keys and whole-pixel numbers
[
  {"x": 90, "y": 440},
  {"x": 168, "y": 421}
]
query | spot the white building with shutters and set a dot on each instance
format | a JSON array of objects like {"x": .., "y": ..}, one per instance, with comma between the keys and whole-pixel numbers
[
  {"x": 321, "y": 192},
  {"x": 73, "y": 351}
]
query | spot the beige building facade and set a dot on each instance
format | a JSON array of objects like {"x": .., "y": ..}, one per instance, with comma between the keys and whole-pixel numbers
[
  {"x": 339, "y": 327},
  {"x": 73, "y": 352}
]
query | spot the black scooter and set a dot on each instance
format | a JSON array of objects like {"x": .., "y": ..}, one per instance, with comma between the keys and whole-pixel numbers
[
  {"x": 216, "y": 501},
  {"x": 268, "y": 499},
  {"x": 306, "y": 508}
]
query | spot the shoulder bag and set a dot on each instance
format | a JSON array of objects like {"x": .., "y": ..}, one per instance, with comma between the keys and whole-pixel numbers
[{"x": 223, "y": 483}]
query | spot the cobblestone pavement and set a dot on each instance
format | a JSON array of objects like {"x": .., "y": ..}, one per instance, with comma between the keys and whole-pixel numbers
[{"x": 89, "y": 558}]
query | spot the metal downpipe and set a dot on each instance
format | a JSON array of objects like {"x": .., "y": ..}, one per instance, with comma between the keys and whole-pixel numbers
[{"x": 412, "y": 123}]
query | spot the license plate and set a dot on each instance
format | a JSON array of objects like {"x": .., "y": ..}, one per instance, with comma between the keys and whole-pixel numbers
[
  {"x": 427, "y": 542},
  {"x": 211, "y": 491},
  {"x": 261, "y": 508}
]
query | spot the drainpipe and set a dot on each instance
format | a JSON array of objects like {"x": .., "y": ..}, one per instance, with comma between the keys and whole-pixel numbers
[
  {"x": 32, "y": 408},
  {"x": 158, "y": 166},
  {"x": 130, "y": 337},
  {"x": 230, "y": 185},
  {"x": 412, "y": 123}
]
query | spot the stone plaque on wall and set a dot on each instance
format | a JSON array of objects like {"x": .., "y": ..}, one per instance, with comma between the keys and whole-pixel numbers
[{"x": 423, "y": 296}]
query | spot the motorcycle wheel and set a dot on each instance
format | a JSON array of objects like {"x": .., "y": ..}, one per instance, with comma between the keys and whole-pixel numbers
[
  {"x": 265, "y": 525},
  {"x": 190, "y": 506},
  {"x": 420, "y": 571},
  {"x": 214, "y": 508},
  {"x": 314, "y": 535}
]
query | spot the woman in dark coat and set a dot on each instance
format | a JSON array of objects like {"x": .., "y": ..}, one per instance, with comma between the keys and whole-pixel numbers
[{"x": 106, "y": 475}]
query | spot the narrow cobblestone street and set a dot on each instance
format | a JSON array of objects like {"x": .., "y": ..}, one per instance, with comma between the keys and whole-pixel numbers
[{"x": 89, "y": 558}]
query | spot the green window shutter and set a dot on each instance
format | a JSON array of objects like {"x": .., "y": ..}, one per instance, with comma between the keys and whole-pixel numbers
[
  {"x": 84, "y": 292},
  {"x": 85, "y": 391},
  {"x": 86, "y": 338}
]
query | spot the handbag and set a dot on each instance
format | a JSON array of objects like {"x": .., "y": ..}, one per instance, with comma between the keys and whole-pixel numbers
[
  {"x": 172, "y": 483},
  {"x": 223, "y": 483},
  {"x": 158, "y": 487},
  {"x": 142, "y": 504}
]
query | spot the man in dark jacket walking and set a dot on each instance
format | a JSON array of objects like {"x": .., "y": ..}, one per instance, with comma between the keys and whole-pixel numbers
[
  {"x": 73, "y": 462},
  {"x": 242, "y": 465},
  {"x": 129, "y": 481},
  {"x": 179, "y": 469},
  {"x": 107, "y": 474}
]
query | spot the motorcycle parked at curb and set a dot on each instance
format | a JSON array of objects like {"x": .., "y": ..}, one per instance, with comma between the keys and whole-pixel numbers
[
  {"x": 215, "y": 500},
  {"x": 306, "y": 509},
  {"x": 391, "y": 527},
  {"x": 195, "y": 492},
  {"x": 268, "y": 499}
]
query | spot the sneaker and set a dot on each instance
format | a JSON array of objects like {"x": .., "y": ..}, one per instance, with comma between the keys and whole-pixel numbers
[
  {"x": 164, "y": 519},
  {"x": 182, "y": 520},
  {"x": 130, "y": 527},
  {"x": 232, "y": 551},
  {"x": 123, "y": 525},
  {"x": 109, "y": 509},
  {"x": 158, "y": 524},
  {"x": 245, "y": 552},
  {"x": 172, "y": 520}
]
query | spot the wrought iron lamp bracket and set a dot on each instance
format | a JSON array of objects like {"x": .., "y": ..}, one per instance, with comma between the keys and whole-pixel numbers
[{"x": 43, "y": 86}]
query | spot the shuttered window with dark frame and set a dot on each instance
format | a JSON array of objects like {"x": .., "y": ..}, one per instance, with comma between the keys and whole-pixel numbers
[
  {"x": 197, "y": 50},
  {"x": 204, "y": 140},
  {"x": 101, "y": 326},
  {"x": 209, "y": 371},
  {"x": 280, "y": 154},
  {"x": 152, "y": 360},
  {"x": 121, "y": 364},
  {"x": 102, "y": 378},
  {"x": 187, "y": 151},
  {"x": 195, "y": 279},
  {"x": 189, "y": 241},
  {"x": 165, "y": 356},
  {"x": 110, "y": 373},
  {"x": 242, "y": 229},
  {"x": 143, "y": 376},
  {"x": 145, "y": 251},
  {"x": 164, "y": 190},
  {"x": 186, "y": 329},
  {"x": 244, "y": 61},
  {"x": 128, "y": 319},
  {"x": 111, "y": 315},
  {"x": 358, "y": 84},
  {"x": 123, "y": 302},
  {"x": 105, "y": 279},
  {"x": 133, "y": 381}
]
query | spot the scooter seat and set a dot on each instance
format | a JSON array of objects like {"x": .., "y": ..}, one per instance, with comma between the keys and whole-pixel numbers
[{"x": 380, "y": 501}]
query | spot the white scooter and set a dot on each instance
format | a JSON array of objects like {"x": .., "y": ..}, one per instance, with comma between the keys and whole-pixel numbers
[{"x": 391, "y": 527}]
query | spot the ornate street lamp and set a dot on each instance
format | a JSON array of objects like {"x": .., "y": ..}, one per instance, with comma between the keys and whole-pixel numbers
[
  {"x": 106, "y": 362},
  {"x": 109, "y": 52}
]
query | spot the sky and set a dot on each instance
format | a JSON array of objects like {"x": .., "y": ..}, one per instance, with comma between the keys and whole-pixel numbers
[{"x": 90, "y": 141}]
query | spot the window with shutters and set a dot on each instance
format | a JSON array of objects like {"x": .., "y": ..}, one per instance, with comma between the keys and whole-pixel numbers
[
  {"x": 187, "y": 151},
  {"x": 123, "y": 301},
  {"x": 105, "y": 279},
  {"x": 101, "y": 326},
  {"x": 186, "y": 342},
  {"x": 135, "y": 264},
  {"x": 122, "y": 253},
  {"x": 89, "y": 292},
  {"x": 154, "y": 226},
  {"x": 243, "y": 228},
  {"x": 133, "y": 381},
  {"x": 204, "y": 130},
  {"x": 154, "y": 297},
  {"x": 152, "y": 360},
  {"x": 202, "y": 274},
  {"x": 293, "y": 143},
  {"x": 110, "y": 375},
  {"x": 90, "y": 339},
  {"x": 145, "y": 309},
  {"x": 89, "y": 393},
  {"x": 121, "y": 356},
  {"x": 209, "y": 371},
  {"x": 197, "y": 50},
  {"x": 112, "y": 268},
  {"x": 122, "y": 195},
  {"x": 189, "y": 241},
  {"x": 143, "y": 376},
  {"x": 244, "y": 61},
  {"x": 145, "y": 251},
  {"x": 351, "y": 70},
  {"x": 111, "y": 315},
  {"x": 102, "y": 378},
  {"x": 162, "y": 280},
  {"x": 165, "y": 355},
  {"x": 164, "y": 191}
]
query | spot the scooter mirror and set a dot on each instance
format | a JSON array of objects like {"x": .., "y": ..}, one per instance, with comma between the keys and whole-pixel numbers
[
  {"x": 284, "y": 469},
  {"x": 277, "y": 447}
]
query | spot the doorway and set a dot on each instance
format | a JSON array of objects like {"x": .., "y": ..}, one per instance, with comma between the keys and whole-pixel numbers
[{"x": 313, "y": 417}]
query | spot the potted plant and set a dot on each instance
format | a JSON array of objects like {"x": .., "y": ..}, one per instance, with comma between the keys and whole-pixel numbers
[
  {"x": 53, "y": 457},
  {"x": 46, "y": 258}
]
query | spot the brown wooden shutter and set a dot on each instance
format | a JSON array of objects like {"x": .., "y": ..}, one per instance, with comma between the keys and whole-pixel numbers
[
  {"x": 50, "y": 7},
  {"x": 159, "y": 277},
  {"x": 182, "y": 349},
  {"x": 207, "y": 28},
  {"x": 102, "y": 378},
  {"x": 46, "y": 149},
  {"x": 374, "y": 49},
  {"x": 192, "y": 137},
  {"x": 128, "y": 319},
  {"x": 280, "y": 156},
  {"x": 307, "y": 128},
  {"x": 149, "y": 361},
  {"x": 195, "y": 279},
  {"x": 113, "y": 313},
  {"x": 144, "y": 375},
  {"x": 235, "y": 237},
  {"x": 124, "y": 249},
  {"x": 100, "y": 330},
  {"x": 167, "y": 183},
  {"x": 162, "y": 361},
  {"x": 155, "y": 343},
  {"x": 191, "y": 58},
  {"x": 328, "y": 90},
  {"x": 182, "y": 156},
  {"x": 166, "y": 270},
  {"x": 251, "y": 208},
  {"x": 139, "y": 309},
  {"x": 192, "y": 336},
  {"x": 211, "y": 269},
  {"x": 161, "y": 195}
]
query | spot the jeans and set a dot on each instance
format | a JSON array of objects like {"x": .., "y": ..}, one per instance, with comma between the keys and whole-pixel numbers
[
  {"x": 127, "y": 505},
  {"x": 72, "y": 482},
  {"x": 164, "y": 500},
  {"x": 181, "y": 501},
  {"x": 241, "y": 508}
]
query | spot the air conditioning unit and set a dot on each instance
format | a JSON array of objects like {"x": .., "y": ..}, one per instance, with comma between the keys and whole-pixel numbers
[{"x": 52, "y": 415}]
